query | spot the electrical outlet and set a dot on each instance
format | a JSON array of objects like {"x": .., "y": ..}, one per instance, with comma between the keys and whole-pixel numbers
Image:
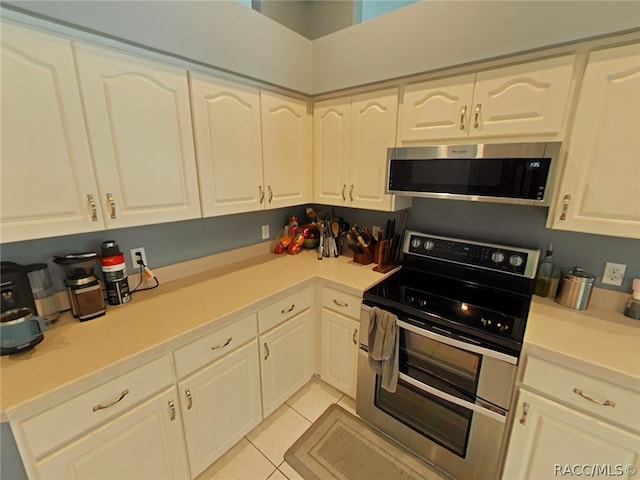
[
  {"x": 613, "y": 273},
  {"x": 375, "y": 230},
  {"x": 265, "y": 232},
  {"x": 134, "y": 257}
]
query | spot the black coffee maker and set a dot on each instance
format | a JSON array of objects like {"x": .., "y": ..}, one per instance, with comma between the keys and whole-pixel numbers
[{"x": 15, "y": 289}]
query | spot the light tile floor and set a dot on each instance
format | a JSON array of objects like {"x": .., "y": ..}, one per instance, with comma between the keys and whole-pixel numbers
[{"x": 260, "y": 454}]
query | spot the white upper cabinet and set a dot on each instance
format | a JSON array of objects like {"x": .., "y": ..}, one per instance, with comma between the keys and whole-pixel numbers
[
  {"x": 520, "y": 100},
  {"x": 226, "y": 118},
  {"x": 47, "y": 182},
  {"x": 351, "y": 138},
  {"x": 286, "y": 150},
  {"x": 599, "y": 190},
  {"x": 139, "y": 124}
]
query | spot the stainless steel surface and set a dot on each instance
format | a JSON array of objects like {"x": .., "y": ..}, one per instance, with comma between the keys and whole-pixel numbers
[
  {"x": 574, "y": 289},
  {"x": 102, "y": 406},
  {"x": 112, "y": 204},
  {"x": 499, "y": 150},
  {"x": 92, "y": 208},
  {"x": 604, "y": 403},
  {"x": 222, "y": 345},
  {"x": 15, "y": 316}
]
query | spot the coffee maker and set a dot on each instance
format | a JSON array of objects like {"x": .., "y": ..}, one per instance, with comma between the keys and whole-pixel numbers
[
  {"x": 84, "y": 288},
  {"x": 15, "y": 289}
]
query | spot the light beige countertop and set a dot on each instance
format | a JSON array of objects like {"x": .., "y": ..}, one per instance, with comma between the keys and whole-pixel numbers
[
  {"x": 74, "y": 354},
  {"x": 599, "y": 341}
]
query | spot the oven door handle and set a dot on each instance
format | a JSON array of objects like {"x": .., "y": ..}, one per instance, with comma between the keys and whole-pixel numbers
[
  {"x": 499, "y": 416},
  {"x": 458, "y": 343}
]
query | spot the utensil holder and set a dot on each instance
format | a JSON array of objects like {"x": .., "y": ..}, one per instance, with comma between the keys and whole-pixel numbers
[{"x": 364, "y": 258}]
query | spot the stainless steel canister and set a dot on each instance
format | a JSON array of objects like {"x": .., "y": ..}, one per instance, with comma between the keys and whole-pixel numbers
[{"x": 574, "y": 289}]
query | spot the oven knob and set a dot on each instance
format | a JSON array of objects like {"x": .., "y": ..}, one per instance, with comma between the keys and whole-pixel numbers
[
  {"x": 516, "y": 260},
  {"x": 422, "y": 302},
  {"x": 497, "y": 257},
  {"x": 410, "y": 299},
  {"x": 416, "y": 242},
  {"x": 428, "y": 245}
]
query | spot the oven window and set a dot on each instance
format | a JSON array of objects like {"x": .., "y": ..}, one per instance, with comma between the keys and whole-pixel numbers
[
  {"x": 421, "y": 355},
  {"x": 443, "y": 422}
]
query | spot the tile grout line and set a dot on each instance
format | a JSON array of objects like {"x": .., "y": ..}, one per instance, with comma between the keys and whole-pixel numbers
[{"x": 262, "y": 453}]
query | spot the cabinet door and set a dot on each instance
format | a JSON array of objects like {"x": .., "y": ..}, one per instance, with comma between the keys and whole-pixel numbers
[
  {"x": 437, "y": 109},
  {"x": 550, "y": 436},
  {"x": 339, "y": 351},
  {"x": 374, "y": 119},
  {"x": 139, "y": 124},
  {"x": 286, "y": 356},
  {"x": 331, "y": 143},
  {"x": 47, "y": 182},
  {"x": 226, "y": 121},
  {"x": 525, "y": 99},
  {"x": 145, "y": 442},
  {"x": 600, "y": 180},
  {"x": 220, "y": 404},
  {"x": 286, "y": 150}
]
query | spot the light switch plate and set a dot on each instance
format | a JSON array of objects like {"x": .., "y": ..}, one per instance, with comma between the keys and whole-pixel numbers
[{"x": 614, "y": 273}]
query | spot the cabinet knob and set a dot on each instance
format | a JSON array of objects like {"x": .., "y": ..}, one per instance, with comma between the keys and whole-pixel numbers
[
  {"x": 112, "y": 204},
  {"x": 92, "y": 208}
]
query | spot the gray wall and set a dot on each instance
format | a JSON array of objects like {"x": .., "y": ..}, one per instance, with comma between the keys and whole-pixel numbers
[{"x": 11, "y": 467}]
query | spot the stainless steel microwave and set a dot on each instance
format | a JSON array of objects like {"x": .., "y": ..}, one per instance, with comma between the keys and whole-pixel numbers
[{"x": 519, "y": 173}]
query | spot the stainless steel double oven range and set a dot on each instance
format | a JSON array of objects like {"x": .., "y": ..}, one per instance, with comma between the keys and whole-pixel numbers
[{"x": 462, "y": 308}]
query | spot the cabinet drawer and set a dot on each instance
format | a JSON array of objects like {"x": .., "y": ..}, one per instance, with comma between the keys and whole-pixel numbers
[
  {"x": 215, "y": 345},
  {"x": 562, "y": 383},
  {"x": 284, "y": 309},
  {"x": 60, "y": 424},
  {"x": 340, "y": 302}
]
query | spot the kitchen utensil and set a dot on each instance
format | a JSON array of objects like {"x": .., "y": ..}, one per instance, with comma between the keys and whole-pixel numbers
[
  {"x": 321, "y": 241},
  {"x": 20, "y": 330},
  {"x": 574, "y": 289}
]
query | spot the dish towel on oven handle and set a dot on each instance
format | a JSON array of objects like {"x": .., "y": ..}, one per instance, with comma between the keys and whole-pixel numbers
[{"x": 383, "y": 347}]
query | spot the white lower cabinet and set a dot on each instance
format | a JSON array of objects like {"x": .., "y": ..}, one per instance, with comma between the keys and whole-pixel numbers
[
  {"x": 340, "y": 323},
  {"x": 220, "y": 404},
  {"x": 286, "y": 360},
  {"x": 145, "y": 442}
]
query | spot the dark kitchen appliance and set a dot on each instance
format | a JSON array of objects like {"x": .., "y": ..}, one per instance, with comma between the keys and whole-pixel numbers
[
  {"x": 518, "y": 173},
  {"x": 462, "y": 308},
  {"x": 15, "y": 289},
  {"x": 83, "y": 287}
]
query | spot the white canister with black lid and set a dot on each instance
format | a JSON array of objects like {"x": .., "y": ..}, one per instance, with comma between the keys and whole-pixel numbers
[{"x": 574, "y": 289}]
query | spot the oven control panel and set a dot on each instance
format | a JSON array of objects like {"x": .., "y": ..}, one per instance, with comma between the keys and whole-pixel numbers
[{"x": 513, "y": 260}]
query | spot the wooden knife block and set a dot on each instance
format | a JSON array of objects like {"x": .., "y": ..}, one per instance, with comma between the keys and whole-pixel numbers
[{"x": 364, "y": 258}]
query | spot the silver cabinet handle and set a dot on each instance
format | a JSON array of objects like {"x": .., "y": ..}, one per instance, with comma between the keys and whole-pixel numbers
[
  {"x": 266, "y": 351},
  {"x": 476, "y": 117},
  {"x": 92, "y": 207},
  {"x": 187, "y": 392},
  {"x": 222, "y": 345},
  {"x": 261, "y": 194},
  {"x": 102, "y": 406},
  {"x": 525, "y": 412},
  {"x": 565, "y": 206},
  {"x": 290, "y": 309},
  {"x": 463, "y": 117},
  {"x": 351, "y": 193},
  {"x": 172, "y": 410},
  {"x": 340, "y": 304},
  {"x": 604, "y": 403},
  {"x": 354, "y": 338},
  {"x": 112, "y": 204},
  {"x": 270, "y": 193},
  {"x": 344, "y": 187}
]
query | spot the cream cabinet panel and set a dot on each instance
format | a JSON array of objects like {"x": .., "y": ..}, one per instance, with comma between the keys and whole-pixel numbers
[
  {"x": 521, "y": 100},
  {"x": 339, "y": 358},
  {"x": 547, "y": 436},
  {"x": 47, "y": 184},
  {"x": 374, "y": 120},
  {"x": 145, "y": 442},
  {"x": 221, "y": 404},
  {"x": 437, "y": 109},
  {"x": 599, "y": 190},
  {"x": 228, "y": 142},
  {"x": 286, "y": 360},
  {"x": 139, "y": 125},
  {"x": 286, "y": 150},
  {"x": 331, "y": 142}
]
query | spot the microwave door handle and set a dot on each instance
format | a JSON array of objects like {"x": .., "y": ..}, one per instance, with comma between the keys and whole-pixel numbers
[
  {"x": 453, "y": 399},
  {"x": 458, "y": 343}
]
